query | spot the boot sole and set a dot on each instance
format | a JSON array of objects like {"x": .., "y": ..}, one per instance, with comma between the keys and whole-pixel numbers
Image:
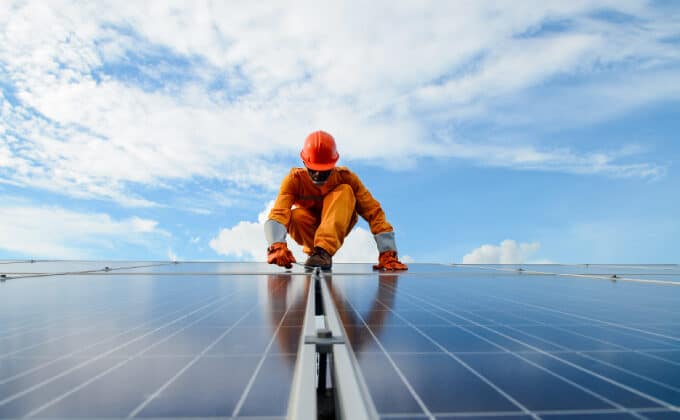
[{"x": 312, "y": 267}]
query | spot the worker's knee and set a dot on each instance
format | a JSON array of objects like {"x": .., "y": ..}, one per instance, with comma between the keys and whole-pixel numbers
[
  {"x": 342, "y": 193},
  {"x": 344, "y": 189}
]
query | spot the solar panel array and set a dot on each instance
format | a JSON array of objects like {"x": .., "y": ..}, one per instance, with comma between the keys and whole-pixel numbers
[{"x": 206, "y": 340}]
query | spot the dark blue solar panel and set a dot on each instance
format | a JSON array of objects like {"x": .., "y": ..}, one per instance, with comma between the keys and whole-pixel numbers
[
  {"x": 509, "y": 346},
  {"x": 221, "y": 339},
  {"x": 149, "y": 346}
]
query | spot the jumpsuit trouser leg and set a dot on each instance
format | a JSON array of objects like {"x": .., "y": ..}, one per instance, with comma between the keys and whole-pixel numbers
[
  {"x": 328, "y": 231},
  {"x": 302, "y": 226},
  {"x": 338, "y": 217}
]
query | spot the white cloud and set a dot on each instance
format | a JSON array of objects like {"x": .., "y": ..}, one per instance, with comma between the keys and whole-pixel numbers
[
  {"x": 54, "y": 232},
  {"x": 359, "y": 246},
  {"x": 143, "y": 225},
  {"x": 557, "y": 160},
  {"x": 246, "y": 241},
  {"x": 521, "y": 64},
  {"x": 407, "y": 259},
  {"x": 507, "y": 252},
  {"x": 223, "y": 91}
]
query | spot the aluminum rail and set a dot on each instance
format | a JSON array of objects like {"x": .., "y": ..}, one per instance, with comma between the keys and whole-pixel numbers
[
  {"x": 302, "y": 400},
  {"x": 352, "y": 400}
]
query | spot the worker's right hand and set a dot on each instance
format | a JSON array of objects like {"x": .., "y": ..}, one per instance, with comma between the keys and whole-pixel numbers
[{"x": 279, "y": 254}]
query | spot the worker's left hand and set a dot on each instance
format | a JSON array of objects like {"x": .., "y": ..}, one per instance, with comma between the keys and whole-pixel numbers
[{"x": 388, "y": 261}]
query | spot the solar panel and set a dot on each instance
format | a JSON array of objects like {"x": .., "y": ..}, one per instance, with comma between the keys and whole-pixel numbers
[
  {"x": 250, "y": 340},
  {"x": 103, "y": 345},
  {"x": 508, "y": 346}
]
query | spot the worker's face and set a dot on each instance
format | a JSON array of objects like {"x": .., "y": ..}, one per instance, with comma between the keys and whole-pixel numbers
[{"x": 319, "y": 177}]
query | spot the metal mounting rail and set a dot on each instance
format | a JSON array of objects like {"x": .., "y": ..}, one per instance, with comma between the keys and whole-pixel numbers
[
  {"x": 327, "y": 345},
  {"x": 302, "y": 400}
]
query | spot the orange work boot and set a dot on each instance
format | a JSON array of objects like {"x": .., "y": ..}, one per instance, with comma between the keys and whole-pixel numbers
[{"x": 319, "y": 258}]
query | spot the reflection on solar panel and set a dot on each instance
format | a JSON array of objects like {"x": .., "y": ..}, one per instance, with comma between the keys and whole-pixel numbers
[{"x": 245, "y": 340}]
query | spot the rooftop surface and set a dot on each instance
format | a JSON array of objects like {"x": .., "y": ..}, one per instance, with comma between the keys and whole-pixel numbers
[{"x": 112, "y": 339}]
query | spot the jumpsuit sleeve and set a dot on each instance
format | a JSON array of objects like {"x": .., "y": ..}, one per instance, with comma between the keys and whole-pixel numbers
[
  {"x": 284, "y": 201},
  {"x": 369, "y": 208}
]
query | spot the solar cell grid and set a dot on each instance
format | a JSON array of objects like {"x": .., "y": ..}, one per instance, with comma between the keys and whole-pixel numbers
[
  {"x": 534, "y": 371},
  {"x": 151, "y": 347},
  {"x": 221, "y": 339}
]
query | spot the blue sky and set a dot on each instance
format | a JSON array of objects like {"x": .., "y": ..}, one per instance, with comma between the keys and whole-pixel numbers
[{"x": 491, "y": 132}]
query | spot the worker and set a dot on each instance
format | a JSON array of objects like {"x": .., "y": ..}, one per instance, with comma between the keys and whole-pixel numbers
[{"x": 318, "y": 205}]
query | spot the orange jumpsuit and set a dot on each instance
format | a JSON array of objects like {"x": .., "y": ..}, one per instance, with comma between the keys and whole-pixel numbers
[{"x": 324, "y": 215}]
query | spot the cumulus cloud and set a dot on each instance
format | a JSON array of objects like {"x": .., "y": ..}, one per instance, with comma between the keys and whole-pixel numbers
[
  {"x": 245, "y": 241},
  {"x": 108, "y": 100},
  {"x": 507, "y": 252},
  {"x": 55, "y": 232}
]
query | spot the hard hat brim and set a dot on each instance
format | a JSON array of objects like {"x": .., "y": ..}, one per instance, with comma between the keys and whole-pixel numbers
[{"x": 318, "y": 166}]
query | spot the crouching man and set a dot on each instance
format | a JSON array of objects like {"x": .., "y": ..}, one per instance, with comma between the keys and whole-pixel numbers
[{"x": 318, "y": 205}]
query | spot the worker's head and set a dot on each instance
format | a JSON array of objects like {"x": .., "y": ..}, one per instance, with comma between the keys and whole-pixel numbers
[{"x": 319, "y": 155}]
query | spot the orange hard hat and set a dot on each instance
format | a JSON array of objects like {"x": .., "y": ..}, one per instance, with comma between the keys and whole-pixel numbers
[{"x": 319, "y": 152}]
